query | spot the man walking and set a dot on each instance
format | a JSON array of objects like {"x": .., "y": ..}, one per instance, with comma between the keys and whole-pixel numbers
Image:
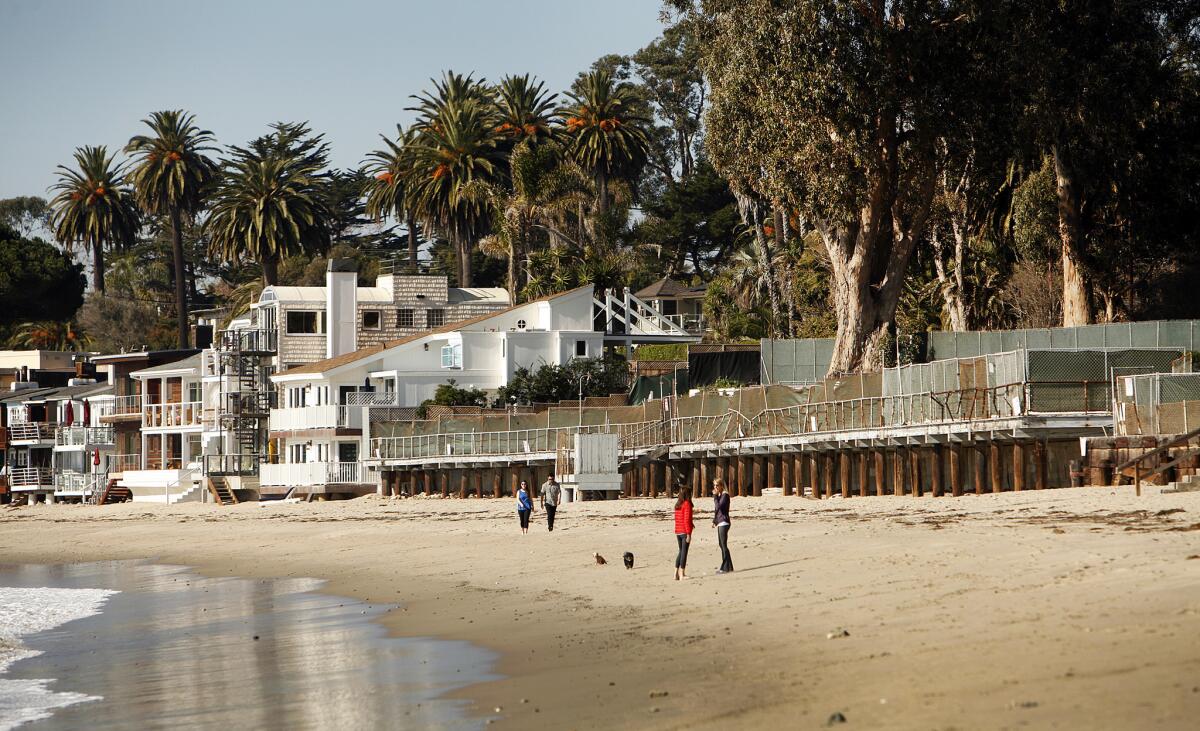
[{"x": 551, "y": 494}]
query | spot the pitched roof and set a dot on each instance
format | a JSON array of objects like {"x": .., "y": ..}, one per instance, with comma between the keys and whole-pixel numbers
[
  {"x": 667, "y": 287},
  {"x": 328, "y": 364},
  {"x": 192, "y": 361}
]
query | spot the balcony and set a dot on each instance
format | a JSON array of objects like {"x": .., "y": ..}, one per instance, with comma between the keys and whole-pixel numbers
[
  {"x": 30, "y": 433},
  {"x": 124, "y": 408},
  {"x": 693, "y": 324},
  {"x": 183, "y": 414},
  {"x": 116, "y": 463},
  {"x": 231, "y": 464},
  {"x": 76, "y": 483},
  {"x": 328, "y": 416},
  {"x": 83, "y": 436},
  {"x": 250, "y": 342},
  {"x": 310, "y": 473},
  {"x": 31, "y": 478}
]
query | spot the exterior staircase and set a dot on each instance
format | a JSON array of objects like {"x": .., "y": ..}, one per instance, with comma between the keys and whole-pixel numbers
[
  {"x": 114, "y": 493},
  {"x": 220, "y": 490}
]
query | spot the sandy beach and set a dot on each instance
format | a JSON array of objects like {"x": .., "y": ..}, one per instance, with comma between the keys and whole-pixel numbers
[{"x": 1058, "y": 609}]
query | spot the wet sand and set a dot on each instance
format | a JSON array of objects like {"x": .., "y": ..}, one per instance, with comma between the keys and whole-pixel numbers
[
  {"x": 171, "y": 649},
  {"x": 1064, "y": 608}
]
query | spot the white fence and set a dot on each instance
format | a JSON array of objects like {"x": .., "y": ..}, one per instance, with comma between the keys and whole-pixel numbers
[
  {"x": 310, "y": 473},
  {"x": 83, "y": 436},
  {"x": 316, "y": 417}
]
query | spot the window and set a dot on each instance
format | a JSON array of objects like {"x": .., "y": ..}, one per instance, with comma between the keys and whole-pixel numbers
[
  {"x": 435, "y": 317},
  {"x": 300, "y": 322},
  {"x": 405, "y": 319},
  {"x": 452, "y": 356},
  {"x": 580, "y": 348},
  {"x": 298, "y": 453},
  {"x": 372, "y": 319},
  {"x": 194, "y": 393}
]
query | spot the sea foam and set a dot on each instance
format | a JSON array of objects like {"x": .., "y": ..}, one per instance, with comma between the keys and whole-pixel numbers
[{"x": 25, "y": 611}]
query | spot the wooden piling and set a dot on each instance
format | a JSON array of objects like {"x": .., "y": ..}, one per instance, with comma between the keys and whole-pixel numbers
[
  {"x": 705, "y": 480},
  {"x": 994, "y": 468},
  {"x": 880, "y": 471},
  {"x": 914, "y": 470},
  {"x": 828, "y": 470},
  {"x": 772, "y": 471},
  {"x": 412, "y": 483},
  {"x": 756, "y": 478},
  {"x": 785, "y": 472},
  {"x": 814, "y": 475},
  {"x": 1039, "y": 465},
  {"x": 497, "y": 486},
  {"x": 978, "y": 467},
  {"x": 955, "y": 476},
  {"x": 864, "y": 477},
  {"x": 463, "y": 477},
  {"x": 697, "y": 478},
  {"x": 898, "y": 472},
  {"x": 936, "y": 487},
  {"x": 1018, "y": 462},
  {"x": 479, "y": 484}
]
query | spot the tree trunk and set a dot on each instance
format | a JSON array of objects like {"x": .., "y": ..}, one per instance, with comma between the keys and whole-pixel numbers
[
  {"x": 412, "y": 243},
  {"x": 98, "y": 266},
  {"x": 464, "y": 261},
  {"x": 512, "y": 271},
  {"x": 1077, "y": 301},
  {"x": 181, "y": 303},
  {"x": 951, "y": 283},
  {"x": 602, "y": 190},
  {"x": 270, "y": 270}
]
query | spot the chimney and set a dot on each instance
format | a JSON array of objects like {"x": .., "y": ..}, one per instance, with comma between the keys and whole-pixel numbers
[{"x": 341, "y": 307}]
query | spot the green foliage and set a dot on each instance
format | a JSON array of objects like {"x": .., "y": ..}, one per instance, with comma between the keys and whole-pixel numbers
[
  {"x": 450, "y": 394},
  {"x": 552, "y": 383},
  {"x": 37, "y": 282},
  {"x": 669, "y": 351},
  {"x": 49, "y": 335},
  {"x": 25, "y": 214}
]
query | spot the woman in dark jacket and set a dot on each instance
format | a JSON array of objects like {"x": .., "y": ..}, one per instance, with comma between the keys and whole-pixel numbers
[{"x": 721, "y": 521}]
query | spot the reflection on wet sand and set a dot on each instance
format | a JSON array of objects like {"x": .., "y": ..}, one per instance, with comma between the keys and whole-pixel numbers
[{"x": 174, "y": 650}]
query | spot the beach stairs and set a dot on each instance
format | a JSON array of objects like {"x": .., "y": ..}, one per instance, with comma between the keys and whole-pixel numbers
[
  {"x": 654, "y": 455},
  {"x": 221, "y": 492},
  {"x": 1187, "y": 483},
  {"x": 114, "y": 493}
]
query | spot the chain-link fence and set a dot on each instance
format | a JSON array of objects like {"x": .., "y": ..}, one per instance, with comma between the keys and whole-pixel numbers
[{"x": 1157, "y": 403}]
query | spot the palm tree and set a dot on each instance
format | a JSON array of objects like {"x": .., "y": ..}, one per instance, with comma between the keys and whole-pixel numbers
[
  {"x": 50, "y": 335},
  {"x": 455, "y": 149},
  {"x": 387, "y": 171},
  {"x": 172, "y": 177},
  {"x": 752, "y": 273},
  {"x": 526, "y": 110},
  {"x": 270, "y": 203},
  {"x": 93, "y": 207},
  {"x": 604, "y": 132}
]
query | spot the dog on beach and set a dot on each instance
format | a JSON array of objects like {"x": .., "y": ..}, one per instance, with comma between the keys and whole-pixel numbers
[
  {"x": 629, "y": 559},
  {"x": 599, "y": 559}
]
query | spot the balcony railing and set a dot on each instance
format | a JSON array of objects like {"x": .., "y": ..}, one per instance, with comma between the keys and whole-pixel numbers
[
  {"x": 248, "y": 341},
  {"x": 123, "y": 462},
  {"x": 31, "y": 477},
  {"x": 373, "y": 398},
  {"x": 187, "y": 413},
  {"x": 310, "y": 473},
  {"x": 693, "y": 324},
  {"x": 83, "y": 436},
  {"x": 482, "y": 444},
  {"x": 79, "y": 483},
  {"x": 316, "y": 417},
  {"x": 31, "y": 432},
  {"x": 231, "y": 464}
]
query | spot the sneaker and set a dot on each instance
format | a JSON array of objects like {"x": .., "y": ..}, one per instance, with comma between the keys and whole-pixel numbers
[{"x": 720, "y": 571}]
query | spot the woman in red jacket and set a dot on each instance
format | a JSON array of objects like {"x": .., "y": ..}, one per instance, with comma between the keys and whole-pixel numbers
[{"x": 683, "y": 529}]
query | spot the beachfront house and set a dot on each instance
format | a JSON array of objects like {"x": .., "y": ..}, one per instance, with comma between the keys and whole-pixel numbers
[
  {"x": 82, "y": 443},
  {"x": 322, "y": 426},
  {"x": 680, "y": 303}
]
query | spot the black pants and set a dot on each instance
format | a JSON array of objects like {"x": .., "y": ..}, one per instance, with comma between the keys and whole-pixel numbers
[
  {"x": 550, "y": 515},
  {"x": 723, "y": 539},
  {"x": 524, "y": 516},
  {"x": 681, "y": 559}
]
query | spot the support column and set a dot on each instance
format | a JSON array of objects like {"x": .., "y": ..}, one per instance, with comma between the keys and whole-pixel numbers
[
  {"x": 955, "y": 473},
  {"x": 786, "y": 463},
  {"x": 914, "y": 470},
  {"x": 705, "y": 477},
  {"x": 995, "y": 472},
  {"x": 427, "y": 479},
  {"x": 864, "y": 473},
  {"x": 772, "y": 471},
  {"x": 828, "y": 469},
  {"x": 880, "y": 470},
  {"x": 814, "y": 475},
  {"x": 978, "y": 467},
  {"x": 412, "y": 483},
  {"x": 1018, "y": 462},
  {"x": 479, "y": 484},
  {"x": 514, "y": 480},
  {"x": 497, "y": 483},
  {"x": 898, "y": 472},
  {"x": 756, "y": 477},
  {"x": 463, "y": 477},
  {"x": 937, "y": 488},
  {"x": 1039, "y": 465},
  {"x": 697, "y": 477}
]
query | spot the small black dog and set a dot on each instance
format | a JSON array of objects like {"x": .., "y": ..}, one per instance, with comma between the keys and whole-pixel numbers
[{"x": 628, "y": 559}]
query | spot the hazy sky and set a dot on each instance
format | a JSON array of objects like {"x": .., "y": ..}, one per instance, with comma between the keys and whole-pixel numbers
[{"x": 76, "y": 73}]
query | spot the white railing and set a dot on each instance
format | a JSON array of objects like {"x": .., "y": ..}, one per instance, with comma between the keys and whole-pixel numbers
[
  {"x": 77, "y": 482},
  {"x": 26, "y": 477},
  {"x": 83, "y": 436},
  {"x": 316, "y": 417},
  {"x": 126, "y": 405},
  {"x": 187, "y": 413},
  {"x": 373, "y": 398},
  {"x": 123, "y": 462},
  {"x": 518, "y": 441},
  {"x": 310, "y": 473},
  {"x": 691, "y": 323},
  {"x": 31, "y": 431}
]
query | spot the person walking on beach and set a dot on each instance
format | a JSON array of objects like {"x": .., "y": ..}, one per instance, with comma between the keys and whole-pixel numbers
[
  {"x": 551, "y": 494},
  {"x": 683, "y": 529},
  {"x": 524, "y": 506},
  {"x": 721, "y": 521}
]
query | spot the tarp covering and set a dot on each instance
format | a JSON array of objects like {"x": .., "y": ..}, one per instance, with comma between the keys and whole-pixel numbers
[
  {"x": 647, "y": 387},
  {"x": 740, "y": 367}
]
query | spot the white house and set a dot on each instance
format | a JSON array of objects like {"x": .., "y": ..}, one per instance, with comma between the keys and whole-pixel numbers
[{"x": 321, "y": 421}]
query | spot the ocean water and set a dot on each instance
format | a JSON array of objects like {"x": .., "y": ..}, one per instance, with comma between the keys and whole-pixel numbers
[{"x": 123, "y": 645}]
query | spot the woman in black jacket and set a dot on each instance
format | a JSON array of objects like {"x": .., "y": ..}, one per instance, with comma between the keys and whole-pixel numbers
[{"x": 721, "y": 521}]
